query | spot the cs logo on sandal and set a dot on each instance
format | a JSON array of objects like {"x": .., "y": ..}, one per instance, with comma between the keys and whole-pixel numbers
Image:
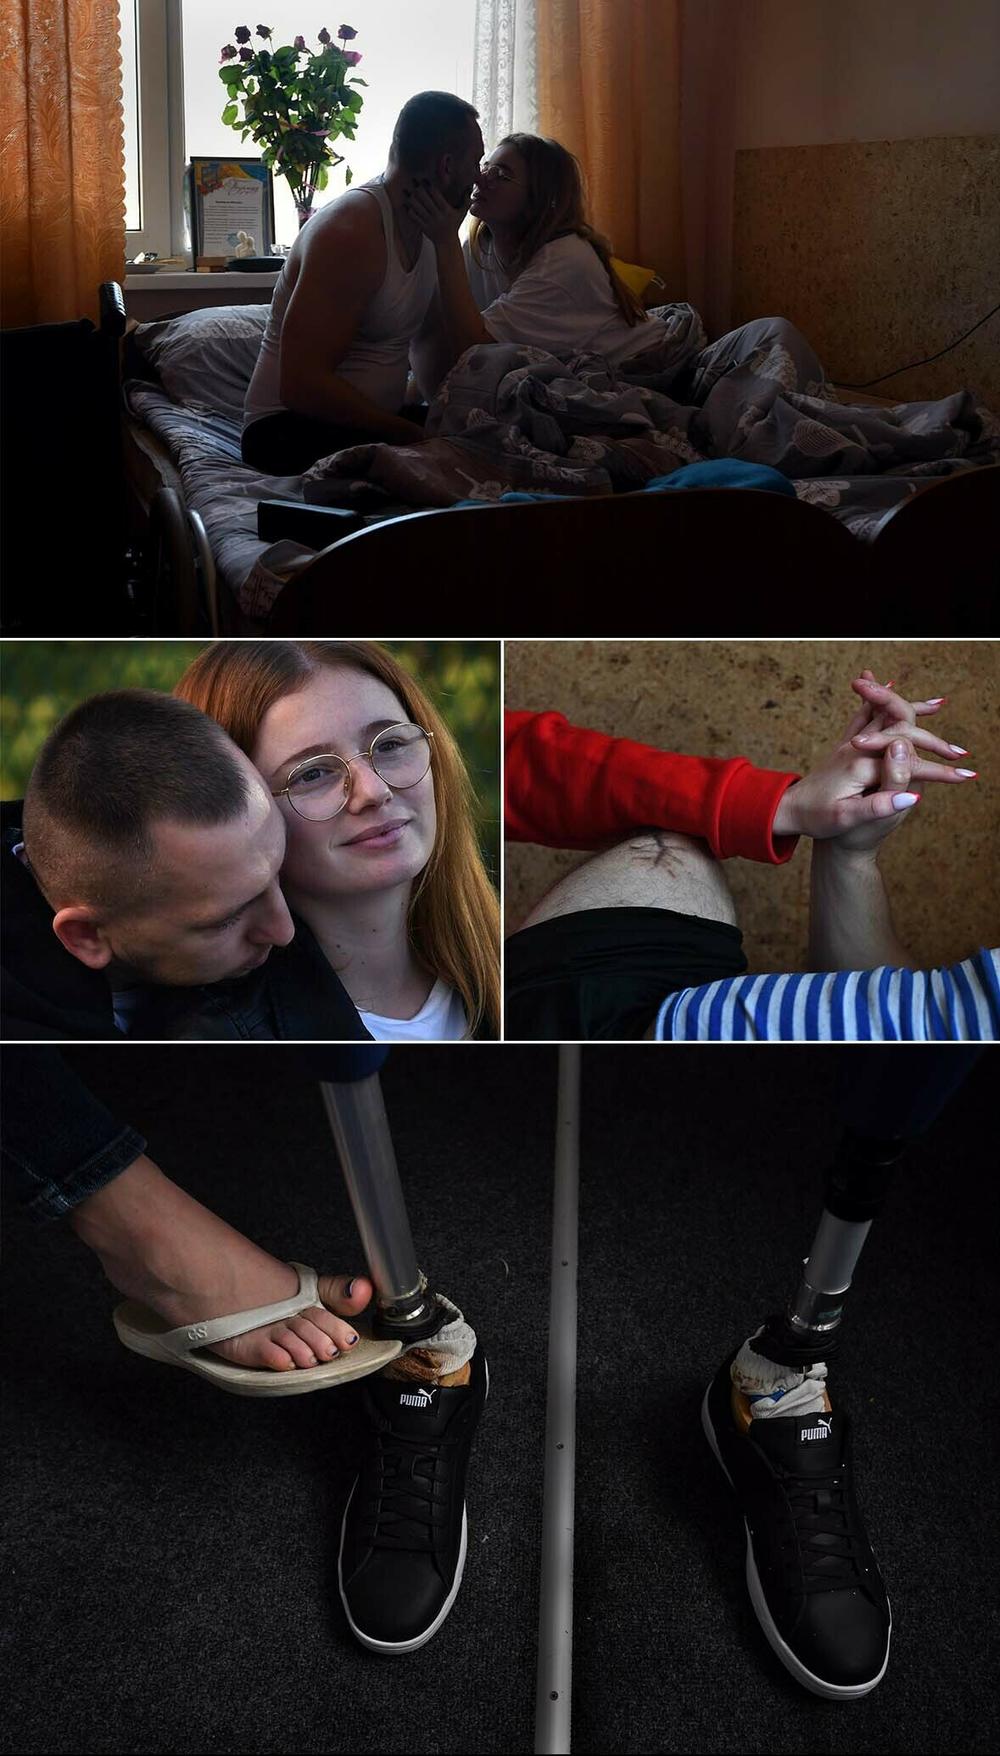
[{"x": 198, "y": 1333}]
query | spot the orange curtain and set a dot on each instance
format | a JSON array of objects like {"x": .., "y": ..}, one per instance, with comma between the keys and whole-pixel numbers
[
  {"x": 609, "y": 81},
  {"x": 62, "y": 176}
]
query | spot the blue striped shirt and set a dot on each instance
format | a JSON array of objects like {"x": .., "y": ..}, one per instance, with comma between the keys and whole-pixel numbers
[{"x": 956, "y": 1005}]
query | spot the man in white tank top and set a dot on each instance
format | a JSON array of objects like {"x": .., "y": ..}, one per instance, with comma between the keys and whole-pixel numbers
[{"x": 353, "y": 296}]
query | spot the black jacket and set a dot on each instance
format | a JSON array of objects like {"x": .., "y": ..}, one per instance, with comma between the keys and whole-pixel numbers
[
  {"x": 294, "y": 995},
  {"x": 48, "y": 994}
]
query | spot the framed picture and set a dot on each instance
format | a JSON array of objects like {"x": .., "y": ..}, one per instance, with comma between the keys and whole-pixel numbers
[{"x": 232, "y": 209}]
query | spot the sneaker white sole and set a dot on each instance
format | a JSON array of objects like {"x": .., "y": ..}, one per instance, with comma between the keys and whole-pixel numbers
[
  {"x": 400, "y": 1646},
  {"x": 808, "y": 1679}
]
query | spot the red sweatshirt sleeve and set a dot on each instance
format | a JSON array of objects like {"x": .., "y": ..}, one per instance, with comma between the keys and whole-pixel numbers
[{"x": 572, "y": 788}]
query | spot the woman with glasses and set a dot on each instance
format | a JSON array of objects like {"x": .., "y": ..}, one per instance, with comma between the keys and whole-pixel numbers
[
  {"x": 534, "y": 270},
  {"x": 382, "y": 871},
  {"x": 536, "y": 273}
]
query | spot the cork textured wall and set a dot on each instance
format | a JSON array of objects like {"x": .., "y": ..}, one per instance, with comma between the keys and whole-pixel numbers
[
  {"x": 881, "y": 252},
  {"x": 783, "y": 704}
]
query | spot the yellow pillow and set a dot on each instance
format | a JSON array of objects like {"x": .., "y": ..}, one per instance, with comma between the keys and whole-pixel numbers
[{"x": 636, "y": 279}]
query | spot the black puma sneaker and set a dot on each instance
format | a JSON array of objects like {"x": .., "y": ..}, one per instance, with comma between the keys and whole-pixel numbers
[
  {"x": 402, "y": 1547},
  {"x": 813, "y": 1579}
]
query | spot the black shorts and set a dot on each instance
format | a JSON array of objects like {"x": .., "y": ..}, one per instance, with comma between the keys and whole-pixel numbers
[
  {"x": 604, "y": 972},
  {"x": 286, "y": 444}
]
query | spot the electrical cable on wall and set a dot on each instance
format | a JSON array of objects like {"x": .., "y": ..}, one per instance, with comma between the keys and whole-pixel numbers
[{"x": 926, "y": 362}]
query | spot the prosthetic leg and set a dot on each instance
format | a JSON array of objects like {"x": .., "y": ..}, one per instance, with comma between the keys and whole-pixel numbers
[
  {"x": 856, "y": 1188},
  {"x": 813, "y": 1579},
  {"x": 404, "y": 1534},
  {"x": 406, "y": 1310}
]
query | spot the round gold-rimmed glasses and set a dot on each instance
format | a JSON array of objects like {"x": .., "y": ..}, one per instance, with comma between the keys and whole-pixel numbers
[{"x": 320, "y": 786}]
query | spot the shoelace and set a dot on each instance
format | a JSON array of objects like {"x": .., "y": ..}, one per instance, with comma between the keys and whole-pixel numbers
[
  {"x": 824, "y": 1540},
  {"x": 409, "y": 1508}
]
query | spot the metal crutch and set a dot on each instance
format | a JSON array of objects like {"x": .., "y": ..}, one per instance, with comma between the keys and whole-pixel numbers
[{"x": 554, "y": 1677}]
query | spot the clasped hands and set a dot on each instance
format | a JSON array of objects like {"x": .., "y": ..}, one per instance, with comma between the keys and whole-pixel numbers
[{"x": 858, "y": 794}]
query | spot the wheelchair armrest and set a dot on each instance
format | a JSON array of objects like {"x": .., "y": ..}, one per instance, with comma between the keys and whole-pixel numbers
[
  {"x": 315, "y": 526},
  {"x": 112, "y": 309}
]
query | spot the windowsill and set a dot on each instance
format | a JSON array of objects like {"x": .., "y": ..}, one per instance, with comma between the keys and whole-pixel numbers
[{"x": 169, "y": 280}]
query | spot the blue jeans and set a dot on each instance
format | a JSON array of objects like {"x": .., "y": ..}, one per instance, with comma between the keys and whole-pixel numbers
[{"x": 60, "y": 1144}]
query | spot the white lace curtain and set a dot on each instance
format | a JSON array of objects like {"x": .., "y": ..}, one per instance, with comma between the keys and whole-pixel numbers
[{"x": 505, "y": 91}]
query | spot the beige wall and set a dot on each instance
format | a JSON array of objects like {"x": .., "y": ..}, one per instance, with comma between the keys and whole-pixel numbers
[
  {"x": 767, "y": 73},
  {"x": 783, "y": 704},
  {"x": 882, "y": 253},
  {"x": 815, "y": 72}
]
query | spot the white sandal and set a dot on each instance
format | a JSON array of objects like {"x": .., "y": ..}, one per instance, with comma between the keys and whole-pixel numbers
[{"x": 145, "y": 1333}]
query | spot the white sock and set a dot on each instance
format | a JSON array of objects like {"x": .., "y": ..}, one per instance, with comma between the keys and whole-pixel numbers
[
  {"x": 453, "y": 1345},
  {"x": 773, "y": 1389}
]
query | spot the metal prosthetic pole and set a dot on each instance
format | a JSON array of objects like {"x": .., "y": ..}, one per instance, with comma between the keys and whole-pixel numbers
[
  {"x": 405, "y": 1310},
  {"x": 857, "y": 1185}
]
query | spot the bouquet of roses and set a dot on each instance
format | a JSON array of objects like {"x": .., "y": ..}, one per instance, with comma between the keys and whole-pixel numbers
[{"x": 294, "y": 103}]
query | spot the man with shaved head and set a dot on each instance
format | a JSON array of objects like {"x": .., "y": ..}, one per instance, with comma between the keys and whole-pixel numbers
[
  {"x": 146, "y": 864},
  {"x": 147, "y": 858}
]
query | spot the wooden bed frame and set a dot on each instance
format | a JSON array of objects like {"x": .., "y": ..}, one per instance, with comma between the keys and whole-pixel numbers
[
  {"x": 708, "y": 561},
  {"x": 719, "y": 561}
]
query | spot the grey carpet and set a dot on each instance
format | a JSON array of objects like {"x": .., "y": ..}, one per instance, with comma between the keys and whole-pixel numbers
[
  {"x": 171, "y": 1567},
  {"x": 171, "y": 1563},
  {"x": 700, "y": 1190}
]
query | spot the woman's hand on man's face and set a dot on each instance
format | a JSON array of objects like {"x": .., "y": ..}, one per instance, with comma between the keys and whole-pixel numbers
[
  {"x": 434, "y": 214},
  {"x": 874, "y": 775}
]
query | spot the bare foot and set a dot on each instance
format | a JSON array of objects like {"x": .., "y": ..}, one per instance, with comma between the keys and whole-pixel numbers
[{"x": 163, "y": 1248}]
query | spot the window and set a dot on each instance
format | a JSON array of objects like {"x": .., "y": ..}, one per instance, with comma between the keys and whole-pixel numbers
[
  {"x": 174, "y": 96},
  {"x": 130, "y": 104},
  {"x": 153, "y": 196}
]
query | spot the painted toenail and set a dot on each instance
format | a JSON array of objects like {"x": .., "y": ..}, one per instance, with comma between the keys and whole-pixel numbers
[
  {"x": 349, "y": 1289},
  {"x": 351, "y": 1339}
]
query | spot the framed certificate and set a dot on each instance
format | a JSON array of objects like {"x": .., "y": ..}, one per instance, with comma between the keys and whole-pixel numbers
[{"x": 229, "y": 197}]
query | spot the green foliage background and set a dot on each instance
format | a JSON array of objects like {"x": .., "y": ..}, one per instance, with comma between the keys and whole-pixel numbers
[{"x": 42, "y": 679}]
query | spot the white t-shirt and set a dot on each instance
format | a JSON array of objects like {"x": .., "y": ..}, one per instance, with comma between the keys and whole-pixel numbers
[
  {"x": 562, "y": 302},
  {"x": 441, "y": 1019}
]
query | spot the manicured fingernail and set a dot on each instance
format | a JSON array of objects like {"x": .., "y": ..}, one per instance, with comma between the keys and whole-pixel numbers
[
  {"x": 888, "y": 685},
  {"x": 866, "y": 737},
  {"x": 903, "y": 801},
  {"x": 899, "y": 750},
  {"x": 958, "y": 750},
  {"x": 967, "y": 773},
  {"x": 936, "y": 700}
]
